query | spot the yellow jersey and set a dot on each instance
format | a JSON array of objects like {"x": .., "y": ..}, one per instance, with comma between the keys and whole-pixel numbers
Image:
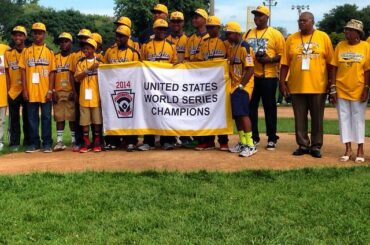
[
  {"x": 269, "y": 41},
  {"x": 351, "y": 61},
  {"x": 64, "y": 68},
  {"x": 88, "y": 85},
  {"x": 3, "y": 86},
  {"x": 76, "y": 56},
  {"x": 212, "y": 49},
  {"x": 193, "y": 45},
  {"x": 368, "y": 40},
  {"x": 180, "y": 43},
  {"x": 159, "y": 51},
  {"x": 240, "y": 56},
  {"x": 120, "y": 55},
  {"x": 38, "y": 61},
  {"x": 12, "y": 58},
  {"x": 316, "y": 51}
]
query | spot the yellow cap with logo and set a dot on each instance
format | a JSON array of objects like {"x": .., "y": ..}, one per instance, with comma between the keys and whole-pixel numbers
[
  {"x": 38, "y": 26},
  {"x": 97, "y": 37},
  {"x": 124, "y": 30},
  {"x": 84, "y": 33},
  {"x": 20, "y": 29},
  {"x": 91, "y": 42},
  {"x": 202, "y": 13},
  {"x": 177, "y": 16},
  {"x": 65, "y": 35},
  {"x": 213, "y": 21},
  {"x": 123, "y": 20},
  {"x": 161, "y": 8},
  {"x": 233, "y": 26},
  {"x": 262, "y": 10},
  {"x": 160, "y": 23}
]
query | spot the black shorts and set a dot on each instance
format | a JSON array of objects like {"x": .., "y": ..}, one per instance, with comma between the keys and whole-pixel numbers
[{"x": 240, "y": 103}]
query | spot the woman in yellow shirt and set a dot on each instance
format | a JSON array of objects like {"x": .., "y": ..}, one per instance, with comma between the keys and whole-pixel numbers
[{"x": 350, "y": 87}]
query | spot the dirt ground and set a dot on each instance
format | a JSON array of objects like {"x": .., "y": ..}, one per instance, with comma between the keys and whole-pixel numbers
[{"x": 184, "y": 159}]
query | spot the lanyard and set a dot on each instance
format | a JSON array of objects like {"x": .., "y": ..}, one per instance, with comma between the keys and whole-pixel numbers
[
  {"x": 33, "y": 48},
  {"x": 304, "y": 51},
  {"x": 88, "y": 76},
  {"x": 155, "y": 52},
  {"x": 236, "y": 51},
  {"x": 118, "y": 59},
  {"x": 200, "y": 41},
  {"x": 209, "y": 40},
  {"x": 259, "y": 39},
  {"x": 61, "y": 61}
]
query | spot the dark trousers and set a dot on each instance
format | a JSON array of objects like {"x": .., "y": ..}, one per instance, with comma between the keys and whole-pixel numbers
[
  {"x": 222, "y": 139},
  {"x": 150, "y": 140},
  {"x": 78, "y": 129},
  {"x": 315, "y": 104},
  {"x": 33, "y": 109},
  {"x": 14, "y": 121},
  {"x": 265, "y": 89}
]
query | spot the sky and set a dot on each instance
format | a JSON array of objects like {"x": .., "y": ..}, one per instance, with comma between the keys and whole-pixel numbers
[{"x": 282, "y": 14}]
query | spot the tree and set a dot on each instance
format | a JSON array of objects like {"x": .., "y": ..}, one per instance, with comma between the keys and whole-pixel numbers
[{"x": 283, "y": 30}]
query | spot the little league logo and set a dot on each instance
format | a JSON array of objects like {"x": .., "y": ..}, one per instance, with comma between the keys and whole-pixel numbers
[{"x": 123, "y": 101}]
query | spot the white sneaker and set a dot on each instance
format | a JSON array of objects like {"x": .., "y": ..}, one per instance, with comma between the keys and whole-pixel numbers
[
  {"x": 131, "y": 148},
  {"x": 59, "y": 146},
  {"x": 168, "y": 146},
  {"x": 237, "y": 148},
  {"x": 145, "y": 147},
  {"x": 248, "y": 151},
  {"x": 1, "y": 146},
  {"x": 271, "y": 146}
]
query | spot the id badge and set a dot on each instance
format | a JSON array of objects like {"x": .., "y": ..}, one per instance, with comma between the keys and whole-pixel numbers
[
  {"x": 35, "y": 77},
  {"x": 64, "y": 83},
  {"x": 306, "y": 63},
  {"x": 88, "y": 94},
  {"x": 19, "y": 81}
]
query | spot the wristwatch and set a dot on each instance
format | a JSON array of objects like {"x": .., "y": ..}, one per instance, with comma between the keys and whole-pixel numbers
[{"x": 240, "y": 86}]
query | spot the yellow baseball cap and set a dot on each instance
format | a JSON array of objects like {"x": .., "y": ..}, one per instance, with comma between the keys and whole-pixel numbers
[
  {"x": 38, "y": 26},
  {"x": 97, "y": 37},
  {"x": 160, "y": 23},
  {"x": 20, "y": 29},
  {"x": 213, "y": 21},
  {"x": 84, "y": 33},
  {"x": 123, "y": 20},
  {"x": 262, "y": 10},
  {"x": 177, "y": 16},
  {"x": 124, "y": 30},
  {"x": 161, "y": 8},
  {"x": 202, "y": 13},
  {"x": 91, "y": 42},
  {"x": 65, "y": 35},
  {"x": 233, "y": 26}
]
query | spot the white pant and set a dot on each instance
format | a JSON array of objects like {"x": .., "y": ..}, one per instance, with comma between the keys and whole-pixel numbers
[
  {"x": 351, "y": 120},
  {"x": 2, "y": 123}
]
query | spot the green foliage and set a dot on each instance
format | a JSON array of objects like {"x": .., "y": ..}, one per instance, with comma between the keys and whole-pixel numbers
[{"x": 139, "y": 12}]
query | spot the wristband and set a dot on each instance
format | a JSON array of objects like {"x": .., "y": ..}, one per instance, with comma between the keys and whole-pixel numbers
[
  {"x": 240, "y": 86},
  {"x": 50, "y": 91}
]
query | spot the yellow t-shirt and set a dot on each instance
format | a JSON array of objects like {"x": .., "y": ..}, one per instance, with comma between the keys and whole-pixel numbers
[
  {"x": 64, "y": 66},
  {"x": 318, "y": 49},
  {"x": 117, "y": 55},
  {"x": 270, "y": 41},
  {"x": 180, "y": 43},
  {"x": 38, "y": 61},
  {"x": 3, "y": 87},
  {"x": 76, "y": 56},
  {"x": 193, "y": 45},
  {"x": 212, "y": 49},
  {"x": 368, "y": 40},
  {"x": 240, "y": 56},
  {"x": 12, "y": 58},
  {"x": 89, "y": 82},
  {"x": 159, "y": 51},
  {"x": 351, "y": 61}
]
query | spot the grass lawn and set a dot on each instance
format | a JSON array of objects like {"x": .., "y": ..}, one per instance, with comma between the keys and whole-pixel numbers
[{"x": 309, "y": 206}]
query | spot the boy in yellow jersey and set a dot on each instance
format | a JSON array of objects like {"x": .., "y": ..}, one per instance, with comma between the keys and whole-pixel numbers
[
  {"x": 64, "y": 94},
  {"x": 268, "y": 45},
  {"x": 240, "y": 56},
  {"x": 15, "y": 98},
  {"x": 133, "y": 41},
  {"x": 37, "y": 73},
  {"x": 194, "y": 43},
  {"x": 90, "y": 111},
  {"x": 3, "y": 93},
  {"x": 121, "y": 53},
  {"x": 212, "y": 48},
  {"x": 159, "y": 11},
  {"x": 177, "y": 36},
  {"x": 159, "y": 50},
  {"x": 99, "y": 40}
]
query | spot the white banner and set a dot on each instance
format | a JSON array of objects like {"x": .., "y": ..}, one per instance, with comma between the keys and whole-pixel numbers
[{"x": 189, "y": 99}]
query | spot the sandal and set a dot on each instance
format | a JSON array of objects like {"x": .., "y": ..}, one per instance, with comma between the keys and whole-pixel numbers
[
  {"x": 359, "y": 160},
  {"x": 344, "y": 158}
]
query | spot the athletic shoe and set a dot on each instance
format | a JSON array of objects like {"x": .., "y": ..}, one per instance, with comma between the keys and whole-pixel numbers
[
  {"x": 168, "y": 146},
  {"x": 301, "y": 151},
  {"x": 32, "y": 149},
  {"x": 237, "y": 148},
  {"x": 205, "y": 146},
  {"x": 256, "y": 142},
  {"x": 47, "y": 149},
  {"x": 1, "y": 146},
  {"x": 189, "y": 144},
  {"x": 59, "y": 146},
  {"x": 14, "y": 148},
  {"x": 84, "y": 149},
  {"x": 75, "y": 148},
  {"x": 109, "y": 147},
  {"x": 271, "y": 146},
  {"x": 97, "y": 148},
  {"x": 145, "y": 147},
  {"x": 248, "y": 151},
  {"x": 224, "y": 147},
  {"x": 131, "y": 148}
]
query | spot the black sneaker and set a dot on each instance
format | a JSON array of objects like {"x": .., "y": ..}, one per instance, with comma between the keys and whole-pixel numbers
[
  {"x": 32, "y": 149},
  {"x": 316, "y": 153},
  {"x": 271, "y": 146}
]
